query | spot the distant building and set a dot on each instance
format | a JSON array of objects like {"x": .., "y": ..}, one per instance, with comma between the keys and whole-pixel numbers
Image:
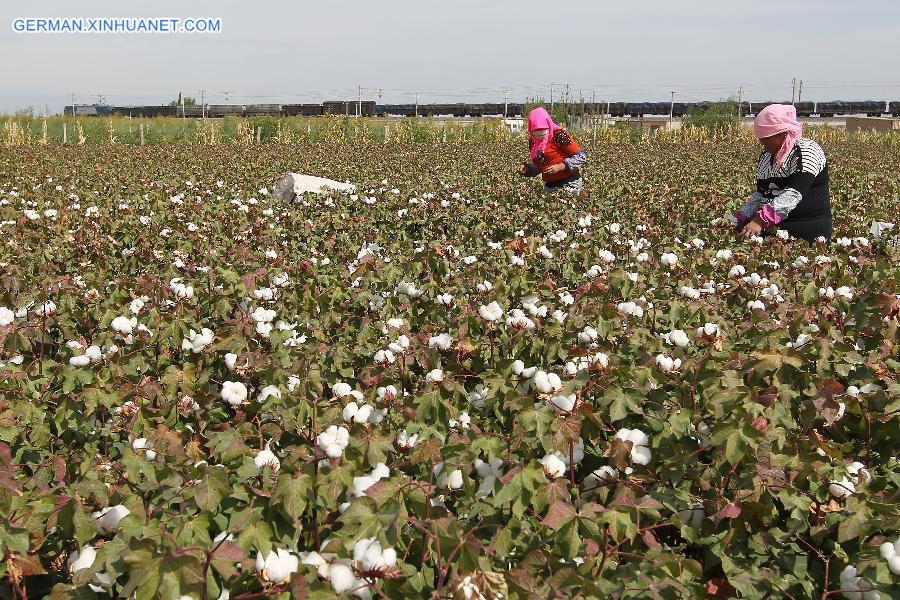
[
  {"x": 856, "y": 124},
  {"x": 514, "y": 125}
]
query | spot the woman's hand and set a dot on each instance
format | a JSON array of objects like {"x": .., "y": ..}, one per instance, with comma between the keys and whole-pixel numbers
[
  {"x": 752, "y": 228},
  {"x": 557, "y": 168},
  {"x": 521, "y": 170}
]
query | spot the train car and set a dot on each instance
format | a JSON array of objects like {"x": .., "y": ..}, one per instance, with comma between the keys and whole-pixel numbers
[
  {"x": 224, "y": 110},
  {"x": 303, "y": 110},
  {"x": 88, "y": 110},
  {"x": 146, "y": 111},
  {"x": 261, "y": 109},
  {"x": 894, "y": 108},
  {"x": 805, "y": 109}
]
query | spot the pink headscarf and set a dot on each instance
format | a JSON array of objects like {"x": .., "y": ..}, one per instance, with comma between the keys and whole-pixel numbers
[
  {"x": 539, "y": 118},
  {"x": 775, "y": 119}
]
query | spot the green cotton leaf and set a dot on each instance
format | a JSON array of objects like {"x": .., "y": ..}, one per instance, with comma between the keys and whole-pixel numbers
[
  {"x": 735, "y": 447},
  {"x": 810, "y": 293},
  {"x": 212, "y": 488},
  {"x": 559, "y": 514},
  {"x": 568, "y": 541},
  {"x": 144, "y": 562},
  {"x": 509, "y": 492},
  {"x": 292, "y": 493},
  {"x": 853, "y": 527},
  {"x": 621, "y": 526},
  {"x": 620, "y": 405},
  {"x": 502, "y": 543}
]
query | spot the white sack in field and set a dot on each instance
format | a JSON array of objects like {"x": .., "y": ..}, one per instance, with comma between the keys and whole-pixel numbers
[{"x": 295, "y": 184}]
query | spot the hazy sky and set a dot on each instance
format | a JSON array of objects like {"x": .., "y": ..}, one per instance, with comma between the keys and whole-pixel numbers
[{"x": 457, "y": 50}]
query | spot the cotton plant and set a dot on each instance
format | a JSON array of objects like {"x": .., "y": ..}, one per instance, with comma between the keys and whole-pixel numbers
[
  {"x": 640, "y": 451},
  {"x": 277, "y": 566},
  {"x": 846, "y": 487},
  {"x": 333, "y": 441}
]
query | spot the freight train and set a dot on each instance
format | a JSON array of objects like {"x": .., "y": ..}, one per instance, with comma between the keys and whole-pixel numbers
[{"x": 368, "y": 108}]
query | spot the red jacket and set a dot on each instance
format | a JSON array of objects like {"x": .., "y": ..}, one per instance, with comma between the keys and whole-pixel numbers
[{"x": 559, "y": 147}]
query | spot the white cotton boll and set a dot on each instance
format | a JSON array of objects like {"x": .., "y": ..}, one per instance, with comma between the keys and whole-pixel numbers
[
  {"x": 679, "y": 338},
  {"x": 107, "y": 520},
  {"x": 607, "y": 256},
  {"x": 445, "y": 299},
  {"x": 640, "y": 453},
  {"x": 405, "y": 441},
  {"x": 342, "y": 578},
  {"x": 277, "y": 567},
  {"x": 387, "y": 393},
  {"x": 93, "y": 352},
  {"x": 384, "y": 357},
  {"x": 737, "y": 271},
  {"x": 334, "y": 440},
  {"x": 566, "y": 298},
  {"x": 441, "y": 342},
  {"x": 6, "y": 316},
  {"x": 407, "y": 289},
  {"x": 858, "y": 469},
  {"x": 349, "y": 412},
  {"x": 842, "y": 488},
  {"x": 887, "y": 550},
  {"x": 594, "y": 271},
  {"x": 452, "y": 480},
  {"x": 724, "y": 254},
  {"x": 630, "y": 309},
  {"x": 434, "y": 376},
  {"x": 547, "y": 383},
  {"x": 270, "y": 391},
  {"x": 124, "y": 325},
  {"x": 230, "y": 361},
  {"x": 553, "y": 466},
  {"x": 491, "y": 312},
  {"x": 668, "y": 259},
  {"x": 341, "y": 389},
  {"x": 563, "y": 404},
  {"x": 894, "y": 564},
  {"x": 605, "y": 475},
  {"x": 587, "y": 336},
  {"x": 81, "y": 559},
  {"x": 267, "y": 457},
  {"x": 756, "y": 304},
  {"x": 234, "y": 392},
  {"x": 665, "y": 363},
  {"x": 545, "y": 252},
  {"x": 80, "y": 361}
]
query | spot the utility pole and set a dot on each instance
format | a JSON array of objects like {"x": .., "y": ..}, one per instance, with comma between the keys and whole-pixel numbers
[
  {"x": 551, "y": 94},
  {"x": 567, "y": 93},
  {"x": 739, "y": 107},
  {"x": 73, "y": 104},
  {"x": 202, "y": 104},
  {"x": 181, "y": 99},
  {"x": 800, "y": 92},
  {"x": 417, "y": 104},
  {"x": 358, "y": 101},
  {"x": 672, "y": 108},
  {"x": 505, "y": 103},
  {"x": 793, "y": 90}
]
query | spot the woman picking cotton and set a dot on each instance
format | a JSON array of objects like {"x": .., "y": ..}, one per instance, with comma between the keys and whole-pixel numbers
[
  {"x": 791, "y": 180},
  {"x": 554, "y": 153}
]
